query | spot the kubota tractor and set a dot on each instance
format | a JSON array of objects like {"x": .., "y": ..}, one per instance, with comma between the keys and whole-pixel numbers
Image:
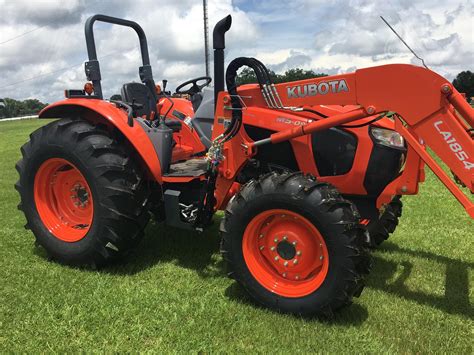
[{"x": 294, "y": 240}]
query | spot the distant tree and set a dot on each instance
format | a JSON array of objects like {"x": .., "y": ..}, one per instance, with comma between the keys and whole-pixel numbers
[
  {"x": 15, "y": 108},
  {"x": 32, "y": 106},
  {"x": 298, "y": 74},
  {"x": 247, "y": 76},
  {"x": 464, "y": 82}
]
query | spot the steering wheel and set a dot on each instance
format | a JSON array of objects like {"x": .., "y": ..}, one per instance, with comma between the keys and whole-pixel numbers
[{"x": 195, "y": 88}]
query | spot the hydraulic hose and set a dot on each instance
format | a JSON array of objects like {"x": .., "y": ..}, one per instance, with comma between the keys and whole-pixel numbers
[{"x": 231, "y": 74}]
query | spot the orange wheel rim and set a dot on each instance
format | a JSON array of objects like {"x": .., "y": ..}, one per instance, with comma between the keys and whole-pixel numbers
[
  {"x": 285, "y": 253},
  {"x": 63, "y": 200}
]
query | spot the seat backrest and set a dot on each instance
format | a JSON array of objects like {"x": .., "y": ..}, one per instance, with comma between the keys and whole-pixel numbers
[{"x": 140, "y": 94}]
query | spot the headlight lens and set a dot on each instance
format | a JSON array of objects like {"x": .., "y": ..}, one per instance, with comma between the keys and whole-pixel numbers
[{"x": 388, "y": 137}]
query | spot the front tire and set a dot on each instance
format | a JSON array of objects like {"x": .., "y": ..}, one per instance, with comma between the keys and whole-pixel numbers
[
  {"x": 381, "y": 228},
  {"x": 82, "y": 193},
  {"x": 281, "y": 218}
]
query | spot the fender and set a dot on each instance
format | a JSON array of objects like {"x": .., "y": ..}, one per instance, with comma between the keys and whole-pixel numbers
[{"x": 99, "y": 110}]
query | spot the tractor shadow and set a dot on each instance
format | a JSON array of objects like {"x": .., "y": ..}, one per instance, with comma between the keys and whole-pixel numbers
[
  {"x": 355, "y": 314},
  {"x": 386, "y": 277},
  {"x": 187, "y": 249}
]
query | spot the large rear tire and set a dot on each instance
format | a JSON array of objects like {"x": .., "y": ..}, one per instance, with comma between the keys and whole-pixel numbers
[
  {"x": 295, "y": 244},
  {"x": 82, "y": 193}
]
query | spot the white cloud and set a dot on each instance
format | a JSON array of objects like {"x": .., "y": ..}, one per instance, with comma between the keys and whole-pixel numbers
[
  {"x": 174, "y": 31},
  {"x": 49, "y": 13},
  {"x": 332, "y": 37}
]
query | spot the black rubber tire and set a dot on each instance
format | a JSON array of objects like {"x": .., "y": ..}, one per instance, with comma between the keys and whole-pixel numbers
[
  {"x": 381, "y": 228},
  {"x": 120, "y": 193},
  {"x": 336, "y": 218}
]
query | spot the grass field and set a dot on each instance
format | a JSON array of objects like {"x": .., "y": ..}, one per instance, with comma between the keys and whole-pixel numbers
[{"x": 172, "y": 295}]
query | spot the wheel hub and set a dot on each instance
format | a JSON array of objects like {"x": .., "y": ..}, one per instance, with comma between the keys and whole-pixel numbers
[
  {"x": 80, "y": 196},
  {"x": 285, "y": 252}
]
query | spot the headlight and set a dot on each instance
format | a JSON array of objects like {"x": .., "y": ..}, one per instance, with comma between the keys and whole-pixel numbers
[{"x": 388, "y": 137}]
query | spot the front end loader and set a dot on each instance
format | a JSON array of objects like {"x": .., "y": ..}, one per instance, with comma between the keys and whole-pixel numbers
[{"x": 295, "y": 241}]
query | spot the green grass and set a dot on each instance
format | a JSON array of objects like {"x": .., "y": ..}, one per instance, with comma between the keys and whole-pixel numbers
[{"x": 172, "y": 295}]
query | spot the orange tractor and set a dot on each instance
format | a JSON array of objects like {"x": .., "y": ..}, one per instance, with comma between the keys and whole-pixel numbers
[{"x": 292, "y": 232}]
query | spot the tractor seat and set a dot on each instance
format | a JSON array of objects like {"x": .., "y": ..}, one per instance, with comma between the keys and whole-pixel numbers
[{"x": 140, "y": 95}]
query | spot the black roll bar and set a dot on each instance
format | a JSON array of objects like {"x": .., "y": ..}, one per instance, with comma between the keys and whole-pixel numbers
[{"x": 92, "y": 67}]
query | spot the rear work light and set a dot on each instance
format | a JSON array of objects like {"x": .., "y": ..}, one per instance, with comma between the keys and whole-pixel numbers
[{"x": 388, "y": 138}]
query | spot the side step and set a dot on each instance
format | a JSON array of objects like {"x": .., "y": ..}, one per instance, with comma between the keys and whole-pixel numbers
[{"x": 173, "y": 211}]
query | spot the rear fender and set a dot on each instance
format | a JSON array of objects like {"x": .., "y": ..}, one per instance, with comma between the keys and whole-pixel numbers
[{"x": 102, "y": 111}]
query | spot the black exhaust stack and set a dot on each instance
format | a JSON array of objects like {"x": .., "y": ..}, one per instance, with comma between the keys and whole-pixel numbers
[{"x": 219, "y": 45}]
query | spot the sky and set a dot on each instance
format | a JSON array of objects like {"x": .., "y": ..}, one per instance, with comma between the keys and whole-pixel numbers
[{"x": 42, "y": 45}]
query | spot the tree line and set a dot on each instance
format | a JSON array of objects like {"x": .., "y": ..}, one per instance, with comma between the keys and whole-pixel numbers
[
  {"x": 15, "y": 108},
  {"x": 247, "y": 76},
  {"x": 464, "y": 82}
]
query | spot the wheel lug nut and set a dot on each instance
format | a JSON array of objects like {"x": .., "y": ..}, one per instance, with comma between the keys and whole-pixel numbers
[
  {"x": 284, "y": 274},
  {"x": 262, "y": 247},
  {"x": 285, "y": 237},
  {"x": 321, "y": 257},
  {"x": 275, "y": 240},
  {"x": 272, "y": 248},
  {"x": 295, "y": 261},
  {"x": 276, "y": 258},
  {"x": 298, "y": 252},
  {"x": 297, "y": 277},
  {"x": 261, "y": 236},
  {"x": 285, "y": 263}
]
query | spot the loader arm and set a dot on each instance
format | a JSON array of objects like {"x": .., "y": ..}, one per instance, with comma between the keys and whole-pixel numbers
[{"x": 425, "y": 104}]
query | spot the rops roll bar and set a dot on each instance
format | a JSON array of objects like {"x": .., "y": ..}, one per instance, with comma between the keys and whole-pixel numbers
[{"x": 92, "y": 67}]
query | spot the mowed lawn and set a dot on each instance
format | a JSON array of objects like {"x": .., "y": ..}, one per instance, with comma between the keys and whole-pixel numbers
[{"x": 173, "y": 295}]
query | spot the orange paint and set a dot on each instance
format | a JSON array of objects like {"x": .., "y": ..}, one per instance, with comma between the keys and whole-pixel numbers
[
  {"x": 63, "y": 200},
  {"x": 285, "y": 253}
]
